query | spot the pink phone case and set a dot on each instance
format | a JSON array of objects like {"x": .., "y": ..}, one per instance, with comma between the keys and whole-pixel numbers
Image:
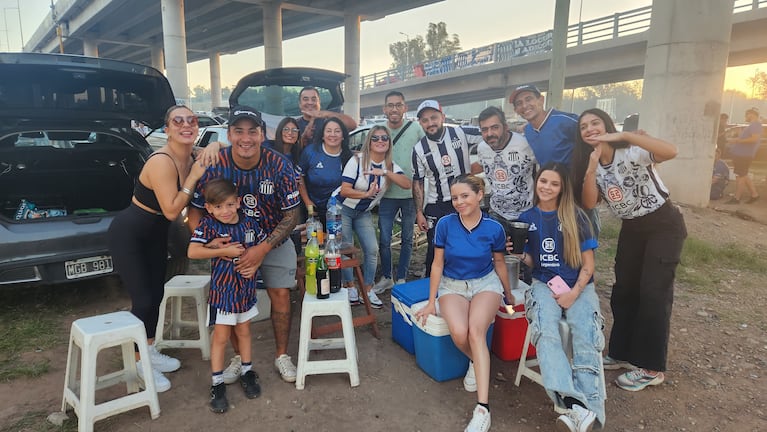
[{"x": 558, "y": 285}]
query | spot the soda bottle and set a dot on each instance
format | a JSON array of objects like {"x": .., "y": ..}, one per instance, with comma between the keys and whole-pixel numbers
[
  {"x": 333, "y": 221},
  {"x": 333, "y": 260},
  {"x": 312, "y": 255},
  {"x": 323, "y": 283},
  {"x": 311, "y": 223}
]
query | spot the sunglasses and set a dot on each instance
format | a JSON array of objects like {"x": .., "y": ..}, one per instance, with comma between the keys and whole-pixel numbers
[
  {"x": 376, "y": 138},
  {"x": 179, "y": 120},
  {"x": 290, "y": 129}
]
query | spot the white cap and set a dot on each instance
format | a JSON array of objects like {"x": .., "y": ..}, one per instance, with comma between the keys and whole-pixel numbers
[{"x": 429, "y": 103}]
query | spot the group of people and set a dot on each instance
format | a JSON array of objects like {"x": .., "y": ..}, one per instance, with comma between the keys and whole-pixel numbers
[{"x": 247, "y": 198}]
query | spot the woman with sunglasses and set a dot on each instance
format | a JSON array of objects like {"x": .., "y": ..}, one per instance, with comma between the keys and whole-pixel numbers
[
  {"x": 363, "y": 183},
  {"x": 138, "y": 236}
]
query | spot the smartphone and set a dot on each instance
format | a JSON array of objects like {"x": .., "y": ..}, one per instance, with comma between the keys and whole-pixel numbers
[{"x": 558, "y": 285}]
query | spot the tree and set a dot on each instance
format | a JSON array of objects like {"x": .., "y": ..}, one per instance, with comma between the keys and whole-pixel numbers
[
  {"x": 758, "y": 84},
  {"x": 437, "y": 43}
]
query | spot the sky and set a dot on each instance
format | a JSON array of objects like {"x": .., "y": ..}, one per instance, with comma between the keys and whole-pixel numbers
[{"x": 498, "y": 21}]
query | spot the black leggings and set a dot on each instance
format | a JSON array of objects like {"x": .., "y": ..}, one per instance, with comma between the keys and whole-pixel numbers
[{"x": 138, "y": 242}]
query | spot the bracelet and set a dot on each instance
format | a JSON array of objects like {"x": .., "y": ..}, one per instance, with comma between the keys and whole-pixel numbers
[{"x": 186, "y": 191}]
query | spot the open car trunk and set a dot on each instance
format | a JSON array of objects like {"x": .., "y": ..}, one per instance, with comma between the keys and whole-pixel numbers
[{"x": 64, "y": 174}]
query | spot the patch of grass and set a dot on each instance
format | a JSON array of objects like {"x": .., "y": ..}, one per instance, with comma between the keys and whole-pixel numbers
[
  {"x": 22, "y": 331},
  {"x": 702, "y": 261}
]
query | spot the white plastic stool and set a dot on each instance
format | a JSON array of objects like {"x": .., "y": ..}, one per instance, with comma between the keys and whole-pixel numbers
[
  {"x": 87, "y": 337},
  {"x": 526, "y": 365},
  {"x": 337, "y": 304},
  {"x": 196, "y": 286}
]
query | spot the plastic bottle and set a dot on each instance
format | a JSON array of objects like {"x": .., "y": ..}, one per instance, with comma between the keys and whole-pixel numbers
[
  {"x": 333, "y": 221},
  {"x": 312, "y": 255},
  {"x": 311, "y": 223},
  {"x": 333, "y": 260}
]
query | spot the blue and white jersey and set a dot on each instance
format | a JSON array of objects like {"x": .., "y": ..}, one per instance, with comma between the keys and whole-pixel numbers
[
  {"x": 468, "y": 252},
  {"x": 555, "y": 139},
  {"x": 229, "y": 291},
  {"x": 630, "y": 185},
  {"x": 546, "y": 245},
  {"x": 354, "y": 175},
  {"x": 511, "y": 174},
  {"x": 322, "y": 173},
  {"x": 439, "y": 162}
]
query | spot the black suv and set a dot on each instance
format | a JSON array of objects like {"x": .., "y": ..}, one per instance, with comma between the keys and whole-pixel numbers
[{"x": 69, "y": 160}]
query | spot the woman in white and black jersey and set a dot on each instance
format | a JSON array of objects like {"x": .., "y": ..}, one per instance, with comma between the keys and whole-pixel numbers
[{"x": 620, "y": 169}]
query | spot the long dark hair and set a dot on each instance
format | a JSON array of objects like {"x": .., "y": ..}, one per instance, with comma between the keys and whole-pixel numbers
[
  {"x": 279, "y": 144},
  {"x": 582, "y": 151},
  {"x": 346, "y": 152}
]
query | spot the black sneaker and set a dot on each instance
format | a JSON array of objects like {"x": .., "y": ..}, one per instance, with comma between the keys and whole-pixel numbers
[
  {"x": 218, "y": 402},
  {"x": 249, "y": 383}
]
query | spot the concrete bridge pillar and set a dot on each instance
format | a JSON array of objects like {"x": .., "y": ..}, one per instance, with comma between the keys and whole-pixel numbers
[
  {"x": 158, "y": 57},
  {"x": 687, "y": 49},
  {"x": 272, "y": 35},
  {"x": 352, "y": 66},
  {"x": 174, "y": 41},
  {"x": 215, "y": 79},
  {"x": 90, "y": 47}
]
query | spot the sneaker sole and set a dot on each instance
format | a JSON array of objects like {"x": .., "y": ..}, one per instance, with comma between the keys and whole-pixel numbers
[
  {"x": 564, "y": 427},
  {"x": 636, "y": 388},
  {"x": 616, "y": 366},
  {"x": 288, "y": 379},
  {"x": 219, "y": 410},
  {"x": 231, "y": 380}
]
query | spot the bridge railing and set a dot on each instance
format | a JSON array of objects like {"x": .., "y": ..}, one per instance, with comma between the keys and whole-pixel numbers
[{"x": 599, "y": 29}]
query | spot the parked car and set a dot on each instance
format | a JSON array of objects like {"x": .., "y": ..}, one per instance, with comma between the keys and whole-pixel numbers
[
  {"x": 274, "y": 92},
  {"x": 69, "y": 160},
  {"x": 734, "y": 131},
  {"x": 158, "y": 138}
]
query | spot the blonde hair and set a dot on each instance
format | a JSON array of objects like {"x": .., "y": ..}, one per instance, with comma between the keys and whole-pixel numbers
[{"x": 568, "y": 213}]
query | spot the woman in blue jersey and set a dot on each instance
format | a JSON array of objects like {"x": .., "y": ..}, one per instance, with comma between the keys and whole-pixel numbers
[
  {"x": 322, "y": 164},
  {"x": 620, "y": 169},
  {"x": 469, "y": 274},
  {"x": 365, "y": 179},
  {"x": 560, "y": 249}
]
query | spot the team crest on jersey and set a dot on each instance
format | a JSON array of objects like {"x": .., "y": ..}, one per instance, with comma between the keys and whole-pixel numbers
[
  {"x": 266, "y": 187},
  {"x": 455, "y": 142},
  {"x": 250, "y": 236},
  {"x": 614, "y": 193}
]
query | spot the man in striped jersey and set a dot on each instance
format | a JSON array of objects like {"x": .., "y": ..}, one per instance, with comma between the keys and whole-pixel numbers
[{"x": 440, "y": 156}]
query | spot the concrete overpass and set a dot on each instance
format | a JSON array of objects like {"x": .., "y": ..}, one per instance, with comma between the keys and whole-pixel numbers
[{"x": 603, "y": 50}]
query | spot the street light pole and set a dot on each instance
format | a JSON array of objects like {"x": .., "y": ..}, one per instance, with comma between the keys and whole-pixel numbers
[{"x": 407, "y": 47}]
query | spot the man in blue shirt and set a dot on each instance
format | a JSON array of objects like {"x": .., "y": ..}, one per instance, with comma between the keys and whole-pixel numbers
[{"x": 743, "y": 149}]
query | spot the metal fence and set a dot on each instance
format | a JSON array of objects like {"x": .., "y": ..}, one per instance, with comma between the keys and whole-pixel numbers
[{"x": 599, "y": 29}]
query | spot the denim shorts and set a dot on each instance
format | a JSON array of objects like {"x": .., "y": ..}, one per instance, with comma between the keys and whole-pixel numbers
[{"x": 470, "y": 287}]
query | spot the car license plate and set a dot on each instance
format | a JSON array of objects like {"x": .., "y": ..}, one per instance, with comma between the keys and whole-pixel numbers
[{"x": 88, "y": 266}]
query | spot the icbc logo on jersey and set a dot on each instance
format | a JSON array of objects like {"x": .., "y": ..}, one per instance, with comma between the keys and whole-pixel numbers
[
  {"x": 445, "y": 160},
  {"x": 501, "y": 175},
  {"x": 614, "y": 194}
]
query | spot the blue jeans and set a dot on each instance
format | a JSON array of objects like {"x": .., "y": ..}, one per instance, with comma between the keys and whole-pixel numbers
[
  {"x": 360, "y": 223},
  {"x": 581, "y": 378},
  {"x": 387, "y": 212}
]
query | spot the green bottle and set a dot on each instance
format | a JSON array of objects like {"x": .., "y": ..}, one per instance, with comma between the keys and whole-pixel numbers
[{"x": 312, "y": 255}]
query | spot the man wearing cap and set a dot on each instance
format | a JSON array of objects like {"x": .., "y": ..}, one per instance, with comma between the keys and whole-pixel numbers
[
  {"x": 440, "y": 156},
  {"x": 743, "y": 149},
  {"x": 551, "y": 133},
  {"x": 268, "y": 191},
  {"x": 312, "y": 118}
]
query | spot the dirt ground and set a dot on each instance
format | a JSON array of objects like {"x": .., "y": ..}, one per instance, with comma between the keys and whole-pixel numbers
[{"x": 715, "y": 381}]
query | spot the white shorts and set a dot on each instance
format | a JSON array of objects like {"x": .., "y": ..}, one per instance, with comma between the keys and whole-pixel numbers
[
  {"x": 218, "y": 316},
  {"x": 470, "y": 287}
]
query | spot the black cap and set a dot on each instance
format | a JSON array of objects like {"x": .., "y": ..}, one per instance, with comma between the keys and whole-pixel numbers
[{"x": 240, "y": 112}]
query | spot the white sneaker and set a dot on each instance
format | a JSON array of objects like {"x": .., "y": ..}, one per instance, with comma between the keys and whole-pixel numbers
[
  {"x": 470, "y": 380},
  {"x": 354, "y": 297},
  {"x": 233, "y": 371},
  {"x": 480, "y": 422},
  {"x": 286, "y": 368},
  {"x": 375, "y": 302},
  {"x": 162, "y": 362},
  {"x": 577, "y": 419},
  {"x": 383, "y": 285},
  {"x": 161, "y": 383},
  {"x": 400, "y": 282}
]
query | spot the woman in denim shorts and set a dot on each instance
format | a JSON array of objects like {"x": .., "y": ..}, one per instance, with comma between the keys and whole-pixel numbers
[{"x": 469, "y": 273}]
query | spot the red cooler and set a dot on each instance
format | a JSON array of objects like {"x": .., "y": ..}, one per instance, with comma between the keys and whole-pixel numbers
[{"x": 509, "y": 334}]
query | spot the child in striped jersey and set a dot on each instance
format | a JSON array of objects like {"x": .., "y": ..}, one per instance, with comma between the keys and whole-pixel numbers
[{"x": 232, "y": 298}]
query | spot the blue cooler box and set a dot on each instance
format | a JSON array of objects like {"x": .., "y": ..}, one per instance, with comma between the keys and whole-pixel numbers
[
  {"x": 435, "y": 352},
  {"x": 404, "y": 296}
]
